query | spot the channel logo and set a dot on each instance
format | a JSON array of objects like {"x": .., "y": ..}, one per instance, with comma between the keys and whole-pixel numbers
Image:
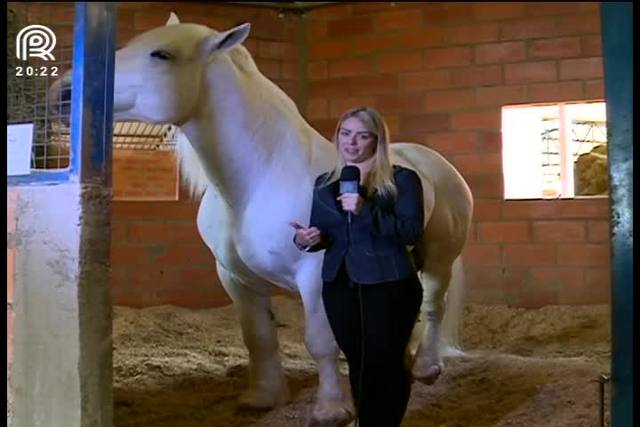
[{"x": 35, "y": 41}]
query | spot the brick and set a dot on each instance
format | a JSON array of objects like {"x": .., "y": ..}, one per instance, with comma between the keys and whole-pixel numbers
[
  {"x": 550, "y": 92},
  {"x": 122, "y": 255},
  {"x": 487, "y": 210},
  {"x": 550, "y": 8},
  {"x": 349, "y": 27},
  {"x": 373, "y": 44},
  {"x": 447, "y": 57},
  {"x": 529, "y": 28},
  {"x": 490, "y": 141},
  {"x": 591, "y": 45},
  {"x": 330, "y": 12},
  {"x": 417, "y": 123},
  {"x": 530, "y": 72},
  {"x": 559, "y": 231},
  {"x": 349, "y": 67},
  {"x": 399, "y": 61},
  {"x": 524, "y": 209},
  {"x": 598, "y": 231},
  {"x": 530, "y": 254},
  {"x": 339, "y": 105},
  {"x": 484, "y": 296},
  {"x": 453, "y": 142},
  {"x": 581, "y": 24},
  {"x": 317, "y": 108},
  {"x": 166, "y": 211},
  {"x": 598, "y": 278},
  {"x": 431, "y": 79},
  {"x": 476, "y": 120},
  {"x": 329, "y": 88},
  {"x": 290, "y": 70},
  {"x": 372, "y": 85},
  {"x": 472, "y": 34},
  {"x": 407, "y": 103},
  {"x": 151, "y": 233},
  {"x": 567, "y": 47},
  {"x": 119, "y": 278},
  {"x": 447, "y": 13},
  {"x": 477, "y": 163},
  {"x": 488, "y": 75},
  {"x": 397, "y": 20},
  {"x": 318, "y": 70},
  {"x": 583, "y": 68},
  {"x": 586, "y": 208},
  {"x": 491, "y": 277},
  {"x": 586, "y": 254},
  {"x": 317, "y": 30},
  {"x": 498, "y": 232},
  {"x": 275, "y": 49},
  {"x": 497, "y": 10},
  {"x": 420, "y": 38},
  {"x": 500, "y": 95},
  {"x": 196, "y": 255},
  {"x": 594, "y": 90},
  {"x": 557, "y": 277},
  {"x": 481, "y": 255},
  {"x": 499, "y": 52},
  {"x": 329, "y": 49},
  {"x": 449, "y": 100},
  {"x": 269, "y": 67},
  {"x": 485, "y": 185}
]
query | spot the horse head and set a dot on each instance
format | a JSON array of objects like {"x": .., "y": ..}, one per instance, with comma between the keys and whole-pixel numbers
[{"x": 158, "y": 75}]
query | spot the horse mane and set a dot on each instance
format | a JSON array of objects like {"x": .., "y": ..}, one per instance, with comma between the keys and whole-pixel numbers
[{"x": 191, "y": 172}]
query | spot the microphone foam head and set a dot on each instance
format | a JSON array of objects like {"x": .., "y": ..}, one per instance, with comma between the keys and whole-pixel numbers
[{"x": 350, "y": 173}]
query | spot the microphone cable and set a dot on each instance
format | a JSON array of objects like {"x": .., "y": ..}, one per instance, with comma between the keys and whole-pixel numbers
[{"x": 362, "y": 334}]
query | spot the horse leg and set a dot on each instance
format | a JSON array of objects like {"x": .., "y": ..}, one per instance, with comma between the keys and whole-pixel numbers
[
  {"x": 333, "y": 405},
  {"x": 435, "y": 278},
  {"x": 267, "y": 383}
]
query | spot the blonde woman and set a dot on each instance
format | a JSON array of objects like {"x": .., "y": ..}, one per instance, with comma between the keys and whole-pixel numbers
[{"x": 371, "y": 291}]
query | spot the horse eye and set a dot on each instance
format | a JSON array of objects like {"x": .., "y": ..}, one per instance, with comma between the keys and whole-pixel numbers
[{"x": 161, "y": 54}]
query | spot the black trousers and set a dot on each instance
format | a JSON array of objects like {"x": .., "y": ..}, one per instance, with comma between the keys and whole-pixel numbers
[{"x": 389, "y": 312}]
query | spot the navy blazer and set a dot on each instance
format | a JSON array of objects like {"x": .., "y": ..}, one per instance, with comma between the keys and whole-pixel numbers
[{"x": 374, "y": 247}]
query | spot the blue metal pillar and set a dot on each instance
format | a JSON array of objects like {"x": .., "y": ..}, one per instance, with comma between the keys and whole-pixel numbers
[
  {"x": 92, "y": 91},
  {"x": 617, "y": 50}
]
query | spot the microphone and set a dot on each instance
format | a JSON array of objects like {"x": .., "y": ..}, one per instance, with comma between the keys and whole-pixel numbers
[{"x": 349, "y": 182}]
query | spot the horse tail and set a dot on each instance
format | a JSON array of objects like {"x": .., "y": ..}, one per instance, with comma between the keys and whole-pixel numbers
[
  {"x": 451, "y": 323},
  {"x": 191, "y": 170}
]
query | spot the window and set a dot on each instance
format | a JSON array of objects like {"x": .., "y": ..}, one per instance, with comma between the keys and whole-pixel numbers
[{"x": 554, "y": 151}]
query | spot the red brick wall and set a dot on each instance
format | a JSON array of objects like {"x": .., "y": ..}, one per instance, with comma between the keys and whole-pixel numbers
[
  {"x": 440, "y": 73},
  {"x": 144, "y": 175}
]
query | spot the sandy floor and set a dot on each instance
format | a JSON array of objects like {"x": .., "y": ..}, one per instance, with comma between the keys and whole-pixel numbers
[{"x": 179, "y": 367}]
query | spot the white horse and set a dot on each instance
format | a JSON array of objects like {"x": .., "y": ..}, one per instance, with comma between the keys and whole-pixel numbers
[{"x": 253, "y": 158}]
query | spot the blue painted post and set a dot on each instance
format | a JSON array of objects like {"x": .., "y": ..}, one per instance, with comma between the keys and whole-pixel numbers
[
  {"x": 617, "y": 50},
  {"x": 92, "y": 91}
]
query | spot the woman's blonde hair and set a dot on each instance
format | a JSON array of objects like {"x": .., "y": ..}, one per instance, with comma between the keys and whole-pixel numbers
[{"x": 380, "y": 177}]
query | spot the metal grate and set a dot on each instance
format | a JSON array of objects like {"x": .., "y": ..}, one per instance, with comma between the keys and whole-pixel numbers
[
  {"x": 28, "y": 81},
  {"x": 129, "y": 136}
]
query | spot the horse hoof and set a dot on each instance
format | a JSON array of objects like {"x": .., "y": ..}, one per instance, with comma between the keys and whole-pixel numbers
[
  {"x": 261, "y": 401},
  {"x": 430, "y": 375},
  {"x": 337, "y": 420}
]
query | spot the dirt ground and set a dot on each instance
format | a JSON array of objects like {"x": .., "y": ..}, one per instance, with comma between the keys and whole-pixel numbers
[{"x": 180, "y": 367}]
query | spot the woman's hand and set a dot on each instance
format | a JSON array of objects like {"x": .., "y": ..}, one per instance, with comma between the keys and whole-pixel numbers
[
  {"x": 351, "y": 202},
  {"x": 306, "y": 236}
]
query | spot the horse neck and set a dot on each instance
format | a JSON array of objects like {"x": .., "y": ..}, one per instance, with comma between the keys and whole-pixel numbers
[{"x": 246, "y": 129}]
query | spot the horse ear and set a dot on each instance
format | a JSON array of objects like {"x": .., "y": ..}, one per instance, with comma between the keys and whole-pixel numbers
[
  {"x": 173, "y": 19},
  {"x": 225, "y": 40}
]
